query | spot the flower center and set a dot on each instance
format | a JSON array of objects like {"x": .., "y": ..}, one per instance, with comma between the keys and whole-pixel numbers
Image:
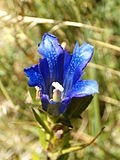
[{"x": 57, "y": 92}]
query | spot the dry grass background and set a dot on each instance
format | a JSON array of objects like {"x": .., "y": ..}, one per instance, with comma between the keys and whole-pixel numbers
[{"x": 22, "y": 25}]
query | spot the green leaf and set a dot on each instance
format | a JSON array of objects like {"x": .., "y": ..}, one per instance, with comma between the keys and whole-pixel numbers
[
  {"x": 63, "y": 157},
  {"x": 32, "y": 91},
  {"x": 40, "y": 156},
  {"x": 43, "y": 115},
  {"x": 44, "y": 138},
  {"x": 35, "y": 156},
  {"x": 94, "y": 110},
  {"x": 77, "y": 106},
  {"x": 41, "y": 121}
]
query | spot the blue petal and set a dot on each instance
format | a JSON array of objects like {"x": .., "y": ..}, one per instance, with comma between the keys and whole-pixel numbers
[
  {"x": 45, "y": 73},
  {"x": 35, "y": 76},
  {"x": 45, "y": 100},
  {"x": 67, "y": 59},
  {"x": 61, "y": 106},
  {"x": 83, "y": 88},
  {"x": 81, "y": 56},
  {"x": 77, "y": 75},
  {"x": 55, "y": 108},
  {"x": 64, "y": 104},
  {"x": 51, "y": 49},
  {"x": 48, "y": 43},
  {"x": 59, "y": 68}
]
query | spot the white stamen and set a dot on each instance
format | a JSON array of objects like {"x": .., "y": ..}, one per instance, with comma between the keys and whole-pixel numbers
[
  {"x": 37, "y": 88},
  {"x": 58, "y": 86},
  {"x": 57, "y": 91},
  {"x": 37, "y": 93}
]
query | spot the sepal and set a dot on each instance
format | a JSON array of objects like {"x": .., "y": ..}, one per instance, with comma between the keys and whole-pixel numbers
[
  {"x": 53, "y": 109},
  {"x": 77, "y": 106}
]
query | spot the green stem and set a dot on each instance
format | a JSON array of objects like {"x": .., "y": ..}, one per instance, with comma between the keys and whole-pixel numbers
[{"x": 80, "y": 147}]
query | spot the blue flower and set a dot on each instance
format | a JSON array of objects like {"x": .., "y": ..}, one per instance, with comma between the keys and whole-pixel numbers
[{"x": 59, "y": 74}]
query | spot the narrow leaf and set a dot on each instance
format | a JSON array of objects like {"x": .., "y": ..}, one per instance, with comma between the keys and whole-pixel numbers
[
  {"x": 40, "y": 121},
  {"x": 43, "y": 137}
]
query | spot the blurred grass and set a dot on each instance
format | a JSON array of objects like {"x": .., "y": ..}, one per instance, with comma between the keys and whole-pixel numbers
[{"x": 22, "y": 25}]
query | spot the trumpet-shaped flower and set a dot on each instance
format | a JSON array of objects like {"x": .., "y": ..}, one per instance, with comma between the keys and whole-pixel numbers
[{"x": 59, "y": 74}]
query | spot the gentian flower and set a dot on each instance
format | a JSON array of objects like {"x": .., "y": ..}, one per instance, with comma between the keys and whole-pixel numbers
[{"x": 59, "y": 74}]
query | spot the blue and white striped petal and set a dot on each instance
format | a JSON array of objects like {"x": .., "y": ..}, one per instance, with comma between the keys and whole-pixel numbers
[
  {"x": 50, "y": 49},
  {"x": 35, "y": 77},
  {"x": 45, "y": 73},
  {"x": 83, "y": 88},
  {"x": 81, "y": 56}
]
